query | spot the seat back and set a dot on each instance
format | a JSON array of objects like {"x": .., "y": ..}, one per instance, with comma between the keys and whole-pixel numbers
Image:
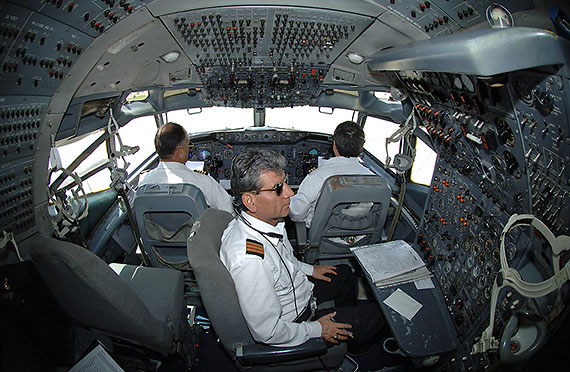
[
  {"x": 92, "y": 294},
  {"x": 222, "y": 305},
  {"x": 217, "y": 287},
  {"x": 165, "y": 214},
  {"x": 350, "y": 211}
]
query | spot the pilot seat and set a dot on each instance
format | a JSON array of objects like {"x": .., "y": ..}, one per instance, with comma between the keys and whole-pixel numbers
[
  {"x": 350, "y": 211},
  {"x": 132, "y": 310},
  {"x": 165, "y": 214},
  {"x": 222, "y": 306}
]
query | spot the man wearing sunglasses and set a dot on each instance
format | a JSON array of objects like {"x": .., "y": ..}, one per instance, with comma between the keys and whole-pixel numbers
[
  {"x": 348, "y": 142},
  {"x": 173, "y": 147},
  {"x": 277, "y": 293}
]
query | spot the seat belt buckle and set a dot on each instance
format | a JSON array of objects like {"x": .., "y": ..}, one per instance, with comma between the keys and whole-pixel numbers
[{"x": 313, "y": 305}]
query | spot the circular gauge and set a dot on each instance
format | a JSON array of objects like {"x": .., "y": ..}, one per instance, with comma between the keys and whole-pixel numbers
[
  {"x": 511, "y": 162},
  {"x": 482, "y": 258},
  {"x": 228, "y": 154},
  {"x": 456, "y": 244},
  {"x": 457, "y": 82},
  {"x": 488, "y": 245},
  {"x": 478, "y": 164},
  {"x": 496, "y": 255},
  {"x": 447, "y": 267},
  {"x": 445, "y": 80},
  {"x": 204, "y": 154},
  {"x": 488, "y": 269},
  {"x": 467, "y": 245},
  {"x": 470, "y": 261},
  {"x": 493, "y": 278},
  {"x": 497, "y": 163},
  {"x": 487, "y": 293},
  {"x": 506, "y": 135},
  {"x": 458, "y": 266},
  {"x": 475, "y": 150},
  {"x": 468, "y": 83},
  {"x": 476, "y": 271},
  {"x": 498, "y": 16},
  {"x": 510, "y": 251},
  {"x": 475, "y": 247},
  {"x": 313, "y": 152},
  {"x": 481, "y": 281},
  {"x": 474, "y": 293},
  {"x": 459, "y": 283}
]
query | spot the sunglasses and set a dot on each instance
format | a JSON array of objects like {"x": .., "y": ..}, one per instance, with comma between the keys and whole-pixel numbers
[{"x": 277, "y": 188}]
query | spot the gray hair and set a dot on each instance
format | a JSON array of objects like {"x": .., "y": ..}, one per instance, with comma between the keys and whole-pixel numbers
[{"x": 248, "y": 166}]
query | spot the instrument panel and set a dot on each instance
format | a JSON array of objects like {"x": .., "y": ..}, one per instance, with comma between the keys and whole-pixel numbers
[
  {"x": 503, "y": 145},
  {"x": 301, "y": 150}
]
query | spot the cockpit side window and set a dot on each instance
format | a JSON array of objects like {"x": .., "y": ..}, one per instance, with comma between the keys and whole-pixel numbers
[
  {"x": 376, "y": 131},
  {"x": 424, "y": 164},
  {"x": 134, "y": 133}
]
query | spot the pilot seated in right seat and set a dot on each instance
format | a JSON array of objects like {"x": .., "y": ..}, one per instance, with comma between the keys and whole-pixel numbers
[{"x": 348, "y": 142}]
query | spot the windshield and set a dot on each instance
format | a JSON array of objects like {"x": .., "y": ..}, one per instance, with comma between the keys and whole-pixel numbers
[
  {"x": 304, "y": 118},
  {"x": 140, "y": 132}
]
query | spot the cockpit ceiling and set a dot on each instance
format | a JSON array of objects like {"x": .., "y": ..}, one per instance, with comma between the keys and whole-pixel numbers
[{"x": 259, "y": 55}]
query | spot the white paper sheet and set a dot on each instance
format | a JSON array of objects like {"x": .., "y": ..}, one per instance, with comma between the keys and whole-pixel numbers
[
  {"x": 98, "y": 360},
  {"x": 424, "y": 283},
  {"x": 403, "y": 304},
  {"x": 384, "y": 261}
]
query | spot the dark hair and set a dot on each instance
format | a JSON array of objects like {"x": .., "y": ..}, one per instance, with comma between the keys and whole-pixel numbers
[
  {"x": 349, "y": 139},
  {"x": 247, "y": 168},
  {"x": 168, "y": 137}
]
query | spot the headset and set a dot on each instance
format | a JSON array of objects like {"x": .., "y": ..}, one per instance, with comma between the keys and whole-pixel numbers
[{"x": 510, "y": 277}]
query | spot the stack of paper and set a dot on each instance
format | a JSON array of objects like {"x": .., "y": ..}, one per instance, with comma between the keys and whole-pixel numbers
[{"x": 391, "y": 263}]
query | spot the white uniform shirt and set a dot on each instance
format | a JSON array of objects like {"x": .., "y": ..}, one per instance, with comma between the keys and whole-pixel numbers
[
  {"x": 302, "y": 205},
  {"x": 175, "y": 173},
  {"x": 263, "y": 285}
]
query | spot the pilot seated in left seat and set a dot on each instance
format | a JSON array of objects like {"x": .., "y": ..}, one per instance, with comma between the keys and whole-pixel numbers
[
  {"x": 277, "y": 293},
  {"x": 173, "y": 146}
]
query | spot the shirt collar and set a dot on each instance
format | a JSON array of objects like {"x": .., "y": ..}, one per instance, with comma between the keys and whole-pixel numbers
[
  {"x": 171, "y": 164},
  {"x": 265, "y": 227},
  {"x": 341, "y": 159}
]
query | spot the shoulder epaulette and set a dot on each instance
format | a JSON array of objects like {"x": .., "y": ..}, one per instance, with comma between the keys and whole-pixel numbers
[{"x": 254, "y": 247}]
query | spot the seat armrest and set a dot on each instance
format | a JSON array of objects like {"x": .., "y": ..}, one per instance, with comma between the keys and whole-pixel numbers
[
  {"x": 301, "y": 231},
  {"x": 256, "y": 354}
]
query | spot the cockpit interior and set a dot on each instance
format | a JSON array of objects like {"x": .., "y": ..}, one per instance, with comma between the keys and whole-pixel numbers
[{"x": 466, "y": 110}]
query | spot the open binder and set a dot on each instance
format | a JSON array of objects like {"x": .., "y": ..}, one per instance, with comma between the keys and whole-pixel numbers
[{"x": 391, "y": 263}]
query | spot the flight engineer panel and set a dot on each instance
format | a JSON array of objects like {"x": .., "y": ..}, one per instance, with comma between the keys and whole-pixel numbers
[{"x": 503, "y": 144}]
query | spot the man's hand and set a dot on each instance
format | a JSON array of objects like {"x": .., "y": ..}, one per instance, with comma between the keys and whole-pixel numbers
[
  {"x": 319, "y": 272},
  {"x": 332, "y": 331}
]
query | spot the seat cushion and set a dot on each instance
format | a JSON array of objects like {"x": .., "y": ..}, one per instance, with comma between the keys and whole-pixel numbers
[
  {"x": 91, "y": 293},
  {"x": 161, "y": 290}
]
